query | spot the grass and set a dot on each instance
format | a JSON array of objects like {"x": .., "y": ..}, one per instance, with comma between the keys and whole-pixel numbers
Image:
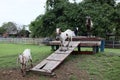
[
  {"x": 9, "y": 53},
  {"x": 100, "y": 66},
  {"x": 73, "y": 77}
]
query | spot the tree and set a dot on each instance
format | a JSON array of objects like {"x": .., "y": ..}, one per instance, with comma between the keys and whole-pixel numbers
[
  {"x": 100, "y": 14},
  {"x": 2, "y": 30},
  {"x": 63, "y": 14},
  {"x": 109, "y": 2},
  {"x": 10, "y": 27},
  {"x": 48, "y": 22},
  {"x": 36, "y": 27},
  {"x": 118, "y": 22},
  {"x": 116, "y": 19},
  {"x": 52, "y": 4},
  {"x": 23, "y": 33}
]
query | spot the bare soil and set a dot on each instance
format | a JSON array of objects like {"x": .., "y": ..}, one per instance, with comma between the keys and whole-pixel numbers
[{"x": 68, "y": 70}]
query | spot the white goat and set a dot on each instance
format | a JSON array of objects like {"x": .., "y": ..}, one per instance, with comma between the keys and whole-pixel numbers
[
  {"x": 23, "y": 59},
  {"x": 68, "y": 34}
]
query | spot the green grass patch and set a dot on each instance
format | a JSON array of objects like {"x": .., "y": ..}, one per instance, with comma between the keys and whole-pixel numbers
[
  {"x": 73, "y": 77},
  {"x": 102, "y": 66},
  {"x": 10, "y": 52},
  {"x": 99, "y": 66}
]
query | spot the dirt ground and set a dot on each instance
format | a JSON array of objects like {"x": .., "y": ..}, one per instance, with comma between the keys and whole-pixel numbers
[{"x": 66, "y": 71}]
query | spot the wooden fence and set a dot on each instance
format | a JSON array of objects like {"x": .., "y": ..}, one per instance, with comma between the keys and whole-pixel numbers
[
  {"x": 108, "y": 43},
  {"x": 112, "y": 44},
  {"x": 22, "y": 40}
]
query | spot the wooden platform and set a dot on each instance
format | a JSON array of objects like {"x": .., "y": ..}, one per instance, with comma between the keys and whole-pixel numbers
[
  {"x": 51, "y": 62},
  {"x": 94, "y": 42},
  {"x": 85, "y": 38},
  {"x": 81, "y": 43}
]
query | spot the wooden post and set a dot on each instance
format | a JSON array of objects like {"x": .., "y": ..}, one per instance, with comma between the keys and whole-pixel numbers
[
  {"x": 94, "y": 49},
  {"x": 52, "y": 47},
  {"x": 97, "y": 49},
  {"x": 79, "y": 48},
  {"x": 102, "y": 45},
  {"x": 57, "y": 46}
]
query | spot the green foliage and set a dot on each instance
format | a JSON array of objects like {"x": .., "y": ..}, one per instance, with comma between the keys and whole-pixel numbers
[
  {"x": 63, "y": 14},
  {"x": 2, "y": 30},
  {"x": 9, "y": 27},
  {"x": 110, "y": 2},
  {"x": 24, "y": 33},
  {"x": 116, "y": 19},
  {"x": 35, "y": 27}
]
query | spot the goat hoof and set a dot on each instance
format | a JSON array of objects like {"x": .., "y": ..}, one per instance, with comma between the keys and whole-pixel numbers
[
  {"x": 21, "y": 71},
  {"x": 23, "y": 75},
  {"x": 31, "y": 65}
]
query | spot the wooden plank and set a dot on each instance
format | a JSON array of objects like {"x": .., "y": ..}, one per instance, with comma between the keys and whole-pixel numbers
[
  {"x": 54, "y": 42},
  {"x": 66, "y": 42},
  {"x": 88, "y": 44},
  {"x": 52, "y": 61},
  {"x": 85, "y": 38},
  {"x": 73, "y": 43},
  {"x": 41, "y": 64},
  {"x": 91, "y": 42},
  {"x": 51, "y": 65},
  {"x": 59, "y": 57},
  {"x": 64, "y": 52},
  {"x": 41, "y": 71}
]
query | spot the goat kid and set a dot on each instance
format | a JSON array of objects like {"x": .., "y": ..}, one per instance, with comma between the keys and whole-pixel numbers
[
  {"x": 68, "y": 34},
  {"x": 24, "y": 59}
]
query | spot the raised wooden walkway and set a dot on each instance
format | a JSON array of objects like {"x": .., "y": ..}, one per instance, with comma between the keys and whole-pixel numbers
[
  {"x": 96, "y": 43},
  {"x": 51, "y": 62}
]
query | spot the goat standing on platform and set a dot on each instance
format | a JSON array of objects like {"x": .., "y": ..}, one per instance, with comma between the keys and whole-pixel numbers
[
  {"x": 68, "y": 34},
  {"x": 89, "y": 25},
  {"x": 23, "y": 59}
]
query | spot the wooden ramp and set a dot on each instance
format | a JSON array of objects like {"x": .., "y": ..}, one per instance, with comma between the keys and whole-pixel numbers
[{"x": 52, "y": 61}]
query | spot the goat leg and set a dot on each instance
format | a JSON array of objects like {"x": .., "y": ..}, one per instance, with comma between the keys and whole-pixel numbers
[
  {"x": 70, "y": 40},
  {"x": 31, "y": 63},
  {"x": 23, "y": 70},
  {"x": 62, "y": 45}
]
